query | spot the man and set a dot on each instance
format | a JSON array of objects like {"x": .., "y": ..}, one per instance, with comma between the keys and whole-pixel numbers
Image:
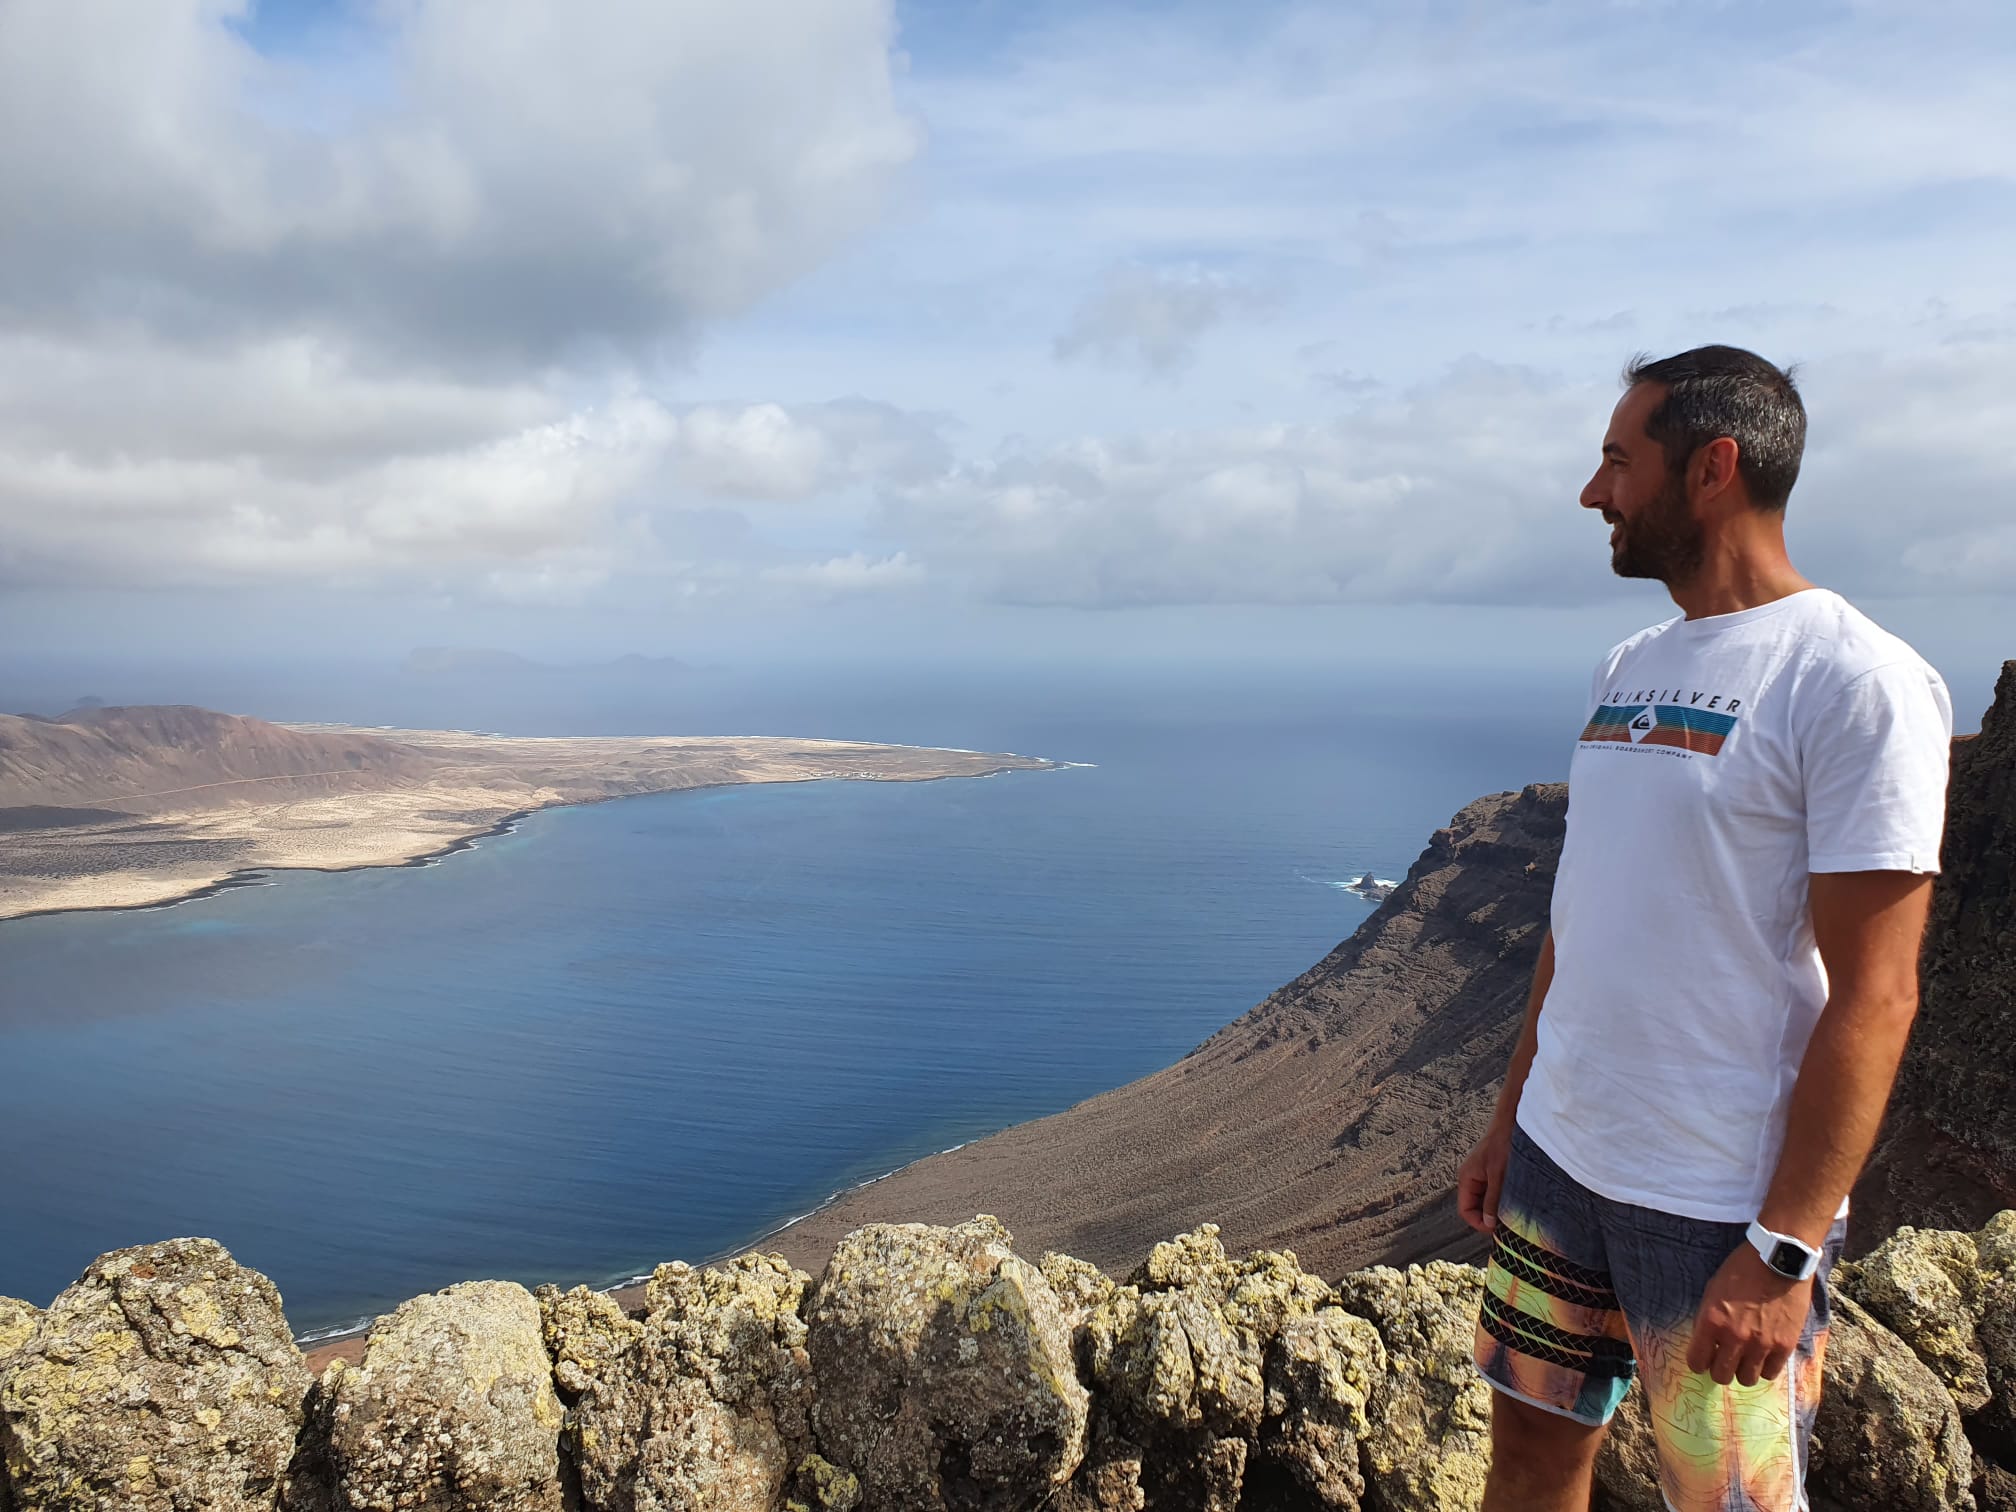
[{"x": 1756, "y": 804}]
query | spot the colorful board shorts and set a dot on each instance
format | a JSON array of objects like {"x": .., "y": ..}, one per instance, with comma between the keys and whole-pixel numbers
[{"x": 1583, "y": 1293}]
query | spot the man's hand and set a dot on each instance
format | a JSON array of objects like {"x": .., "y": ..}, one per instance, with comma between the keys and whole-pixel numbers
[
  {"x": 1481, "y": 1177},
  {"x": 1749, "y": 1322}
]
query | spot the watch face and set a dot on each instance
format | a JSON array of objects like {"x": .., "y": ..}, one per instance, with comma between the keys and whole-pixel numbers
[{"x": 1788, "y": 1260}]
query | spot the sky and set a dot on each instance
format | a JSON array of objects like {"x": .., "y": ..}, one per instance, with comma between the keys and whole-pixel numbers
[{"x": 844, "y": 328}]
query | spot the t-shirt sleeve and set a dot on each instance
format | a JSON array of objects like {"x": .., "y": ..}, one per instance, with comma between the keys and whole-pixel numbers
[{"x": 1875, "y": 760}]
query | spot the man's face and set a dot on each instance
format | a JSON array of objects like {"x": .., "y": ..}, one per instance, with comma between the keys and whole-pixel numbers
[{"x": 1653, "y": 531}]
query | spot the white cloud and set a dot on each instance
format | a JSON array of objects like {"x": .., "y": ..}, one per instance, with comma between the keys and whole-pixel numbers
[
  {"x": 769, "y": 451},
  {"x": 1153, "y": 318},
  {"x": 506, "y": 180},
  {"x": 435, "y": 310},
  {"x": 857, "y": 572},
  {"x": 381, "y": 312},
  {"x": 1464, "y": 490}
]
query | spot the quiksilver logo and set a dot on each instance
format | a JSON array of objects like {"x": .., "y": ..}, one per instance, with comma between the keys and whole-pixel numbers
[{"x": 1682, "y": 727}]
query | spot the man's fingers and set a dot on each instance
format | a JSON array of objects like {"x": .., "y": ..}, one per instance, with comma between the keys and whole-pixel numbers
[
  {"x": 1494, "y": 1183},
  {"x": 1750, "y": 1365},
  {"x": 1774, "y": 1363},
  {"x": 1722, "y": 1369},
  {"x": 1470, "y": 1189},
  {"x": 1701, "y": 1348}
]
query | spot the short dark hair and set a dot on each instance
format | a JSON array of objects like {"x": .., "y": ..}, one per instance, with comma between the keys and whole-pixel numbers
[{"x": 1716, "y": 391}]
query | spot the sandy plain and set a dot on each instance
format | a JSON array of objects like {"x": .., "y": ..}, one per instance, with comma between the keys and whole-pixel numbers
[{"x": 142, "y": 848}]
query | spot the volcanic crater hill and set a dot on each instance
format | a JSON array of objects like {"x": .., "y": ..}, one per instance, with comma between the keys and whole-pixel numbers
[
  {"x": 1331, "y": 1119},
  {"x": 172, "y": 757}
]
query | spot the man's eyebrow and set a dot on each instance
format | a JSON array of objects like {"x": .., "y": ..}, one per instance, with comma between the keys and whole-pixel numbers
[{"x": 1612, "y": 449}]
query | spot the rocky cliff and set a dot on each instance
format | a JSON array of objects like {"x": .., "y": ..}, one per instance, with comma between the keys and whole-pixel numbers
[
  {"x": 1331, "y": 1118},
  {"x": 923, "y": 1370}
]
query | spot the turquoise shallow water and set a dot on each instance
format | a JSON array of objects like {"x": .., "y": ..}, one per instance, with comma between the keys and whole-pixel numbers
[{"x": 658, "y": 1027}]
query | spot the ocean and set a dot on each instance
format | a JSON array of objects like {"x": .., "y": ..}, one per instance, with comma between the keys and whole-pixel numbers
[{"x": 660, "y": 1027}]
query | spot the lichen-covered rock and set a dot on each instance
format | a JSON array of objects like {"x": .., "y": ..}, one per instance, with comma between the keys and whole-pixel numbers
[
  {"x": 1109, "y": 1479},
  {"x": 452, "y": 1409},
  {"x": 1079, "y": 1284},
  {"x": 164, "y": 1380},
  {"x": 1170, "y": 1366},
  {"x": 1888, "y": 1434},
  {"x": 1994, "y": 1426},
  {"x": 1952, "y": 1298},
  {"x": 1179, "y": 1356},
  {"x": 1925, "y": 1286},
  {"x": 945, "y": 1370},
  {"x": 17, "y": 1323},
  {"x": 818, "y": 1486},
  {"x": 1192, "y": 1261},
  {"x": 1322, "y": 1371},
  {"x": 587, "y": 1335},
  {"x": 1429, "y": 1447},
  {"x": 708, "y": 1407}
]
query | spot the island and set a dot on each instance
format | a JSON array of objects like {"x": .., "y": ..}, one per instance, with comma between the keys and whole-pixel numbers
[{"x": 141, "y": 806}]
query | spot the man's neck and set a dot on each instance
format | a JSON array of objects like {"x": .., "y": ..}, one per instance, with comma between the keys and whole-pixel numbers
[{"x": 1740, "y": 577}]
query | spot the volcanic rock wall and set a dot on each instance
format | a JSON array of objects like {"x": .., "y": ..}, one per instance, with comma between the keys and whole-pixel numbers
[{"x": 925, "y": 1370}]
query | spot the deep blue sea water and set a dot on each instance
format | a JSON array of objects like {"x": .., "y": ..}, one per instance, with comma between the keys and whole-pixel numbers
[{"x": 659, "y": 1027}]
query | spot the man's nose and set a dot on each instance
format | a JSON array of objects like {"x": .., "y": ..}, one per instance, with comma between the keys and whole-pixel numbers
[{"x": 1594, "y": 496}]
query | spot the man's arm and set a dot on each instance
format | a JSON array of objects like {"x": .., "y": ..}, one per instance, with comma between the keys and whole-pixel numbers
[
  {"x": 1483, "y": 1172},
  {"x": 1869, "y": 927}
]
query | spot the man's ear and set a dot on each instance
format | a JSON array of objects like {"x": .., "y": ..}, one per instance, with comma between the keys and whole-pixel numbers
[{"x": 1715, "y": 467}]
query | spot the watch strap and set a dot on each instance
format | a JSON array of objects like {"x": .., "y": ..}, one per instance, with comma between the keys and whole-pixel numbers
[{"x": 1783, "y": 1255}]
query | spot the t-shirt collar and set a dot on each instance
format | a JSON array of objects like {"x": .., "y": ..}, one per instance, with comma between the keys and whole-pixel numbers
[{"x": 1715, "y": 624}]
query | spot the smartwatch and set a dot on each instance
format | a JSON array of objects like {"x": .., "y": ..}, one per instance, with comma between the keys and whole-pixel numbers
[{"x": 1791, "y": 1258}]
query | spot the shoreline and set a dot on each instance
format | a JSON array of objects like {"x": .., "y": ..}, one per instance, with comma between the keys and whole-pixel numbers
[
  {"x": 264, "y": 875},
  {"x": 345, "y": 1341}
]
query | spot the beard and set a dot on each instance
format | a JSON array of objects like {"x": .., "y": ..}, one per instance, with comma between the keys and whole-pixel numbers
[{"x": 1663, "y": 540}]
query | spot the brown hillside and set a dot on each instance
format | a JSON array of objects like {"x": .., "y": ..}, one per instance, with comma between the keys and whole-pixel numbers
[
  {"x": 154, "y": 758},
  {"x": 1330, "y": 1120}
]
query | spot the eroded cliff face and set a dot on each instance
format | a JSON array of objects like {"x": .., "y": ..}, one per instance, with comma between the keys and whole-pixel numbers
[
  {"x": 1949, "y": 1152},
  {"x": 926, "y": 1369}
]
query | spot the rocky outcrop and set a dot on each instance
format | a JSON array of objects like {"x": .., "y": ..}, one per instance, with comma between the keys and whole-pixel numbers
[
  {"x": 1210, "y": 1373},
  {"x": 164, "y": 1380},
  {"x": 945, "y": 1369},
  {"x": 17, "y": 1322},
  {"x": 707, "y": 1405},
  {"x": 1888, "y": 1434},
  {"x": 1952, "y": 1298},
  {"x": 1433, "y": 1444},
  {"x": 453, "y": 1407},
  {"x": 927, "y": 1370}
]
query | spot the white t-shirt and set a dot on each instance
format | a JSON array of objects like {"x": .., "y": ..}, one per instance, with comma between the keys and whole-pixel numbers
[{"x": 1725, "y": 758}]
